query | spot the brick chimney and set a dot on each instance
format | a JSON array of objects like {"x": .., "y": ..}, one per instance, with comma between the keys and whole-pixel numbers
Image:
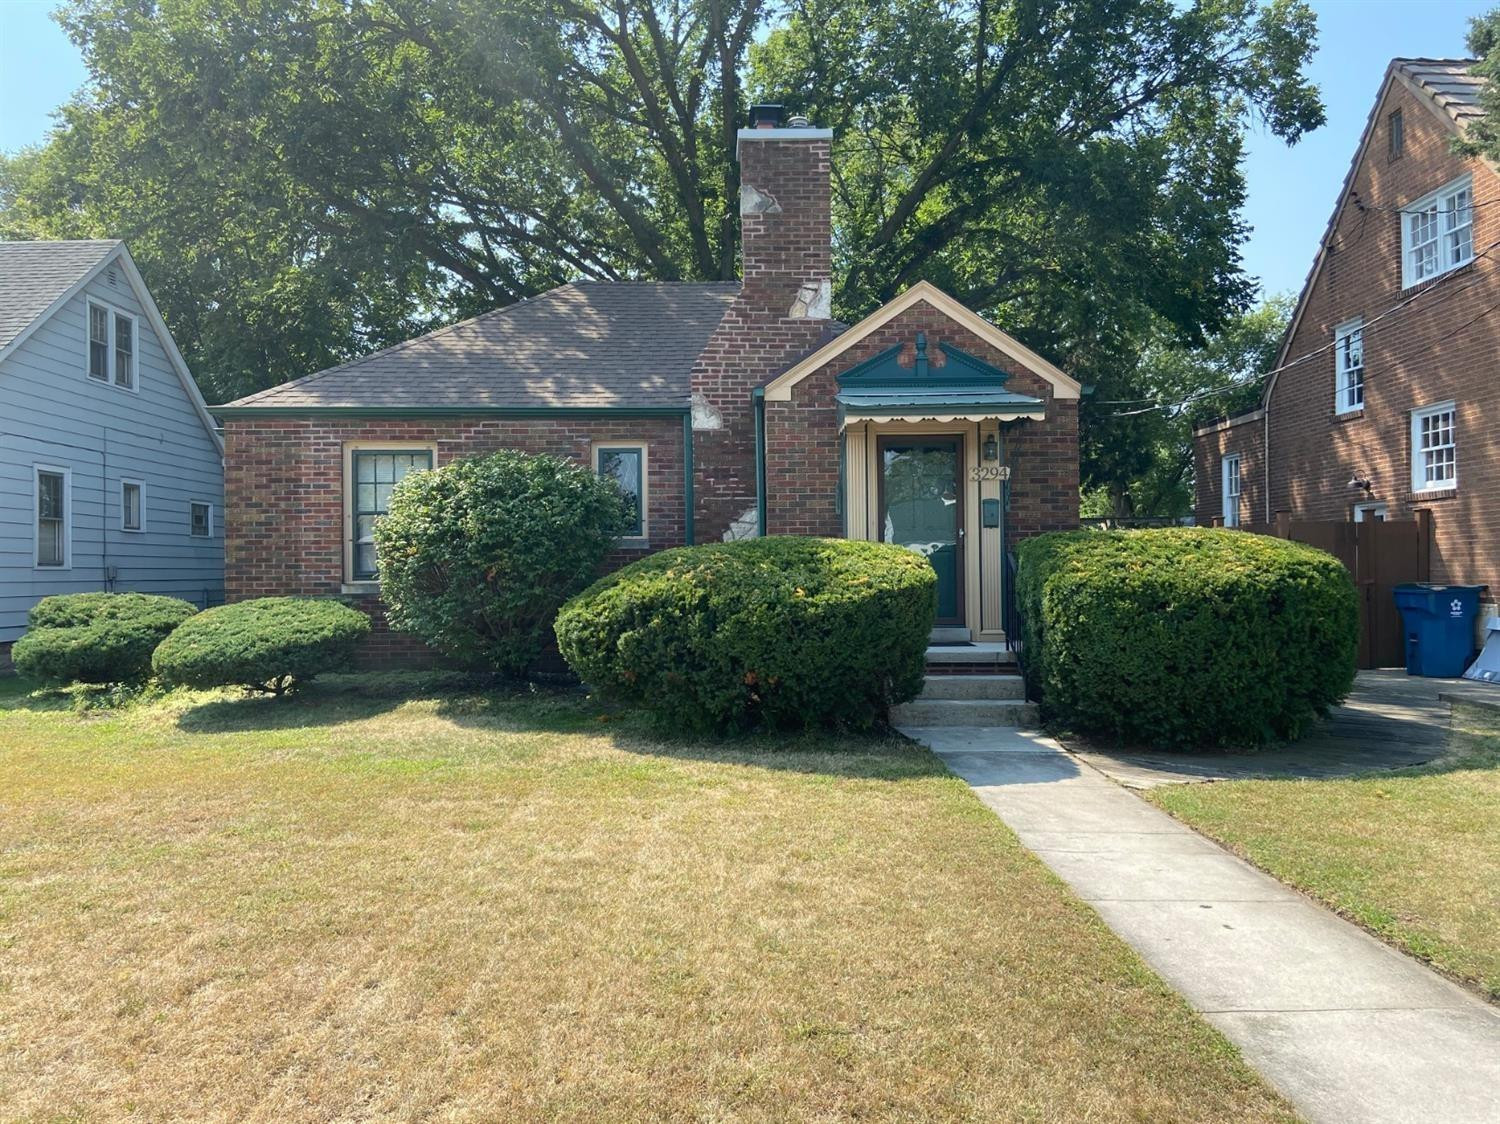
[{"x": 780, "y": 314}]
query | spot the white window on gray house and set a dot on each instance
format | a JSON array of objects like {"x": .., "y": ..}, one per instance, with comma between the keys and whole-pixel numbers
[
  {"x": 124, "y": 350},
  {"x": 626, "y": 466},
  {"x": 52, "y": 517},
  {"x": 200, "y": 520},
  {"x": 1434, "y": 448},
  {"x": 376, "y": 474},
  {"x": 1230, "y": 469},
  {"x": 1349, "y": 361},
  {"x": 1437, "y": 232},
  {"x": 132, "y": 506},
  {"x": 98, "y": 342},
  {"x": 112, "y": 346}
]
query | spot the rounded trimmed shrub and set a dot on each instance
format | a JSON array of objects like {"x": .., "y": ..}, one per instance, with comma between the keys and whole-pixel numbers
[
  {"x": 777, "y": 632},
  {"x": 96, "y": 637},
  {"x": 270, "y": 644},
  {"x": 477, "y": 556},
  {"x": 1185, "y": 636}
]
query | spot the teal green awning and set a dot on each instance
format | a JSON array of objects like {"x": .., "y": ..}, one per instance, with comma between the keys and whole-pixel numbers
[{"x": 961, "y": 387}]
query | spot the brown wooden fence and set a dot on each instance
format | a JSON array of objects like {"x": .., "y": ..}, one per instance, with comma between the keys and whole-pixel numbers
[{"x": 1380, "y": 555}]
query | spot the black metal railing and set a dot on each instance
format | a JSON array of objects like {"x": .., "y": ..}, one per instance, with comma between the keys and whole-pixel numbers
[{"x": 1010, "y": 608}]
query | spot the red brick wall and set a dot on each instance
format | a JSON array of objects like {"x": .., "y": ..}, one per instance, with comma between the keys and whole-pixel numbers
[
  {"x": 1245, "y": 437},
  {"x": 758, "y": 338},
  {"x": 802, "y": 461},
  {"x": 1440, "y": 347},
  {"x": 284, "y": 516}
]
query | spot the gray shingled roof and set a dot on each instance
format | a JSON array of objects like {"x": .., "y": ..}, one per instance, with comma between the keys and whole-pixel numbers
[
  {"x": 1448, "y": 82},
  {"x": 34, "y": 274},
  {"x": 588, "y": 344}
]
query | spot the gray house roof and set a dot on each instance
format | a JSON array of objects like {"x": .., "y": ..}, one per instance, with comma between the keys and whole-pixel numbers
[
  {"x": 1447, "y": 82},
  {"x": 33, "y": 275},
  {"x": 586, "y": 345}
]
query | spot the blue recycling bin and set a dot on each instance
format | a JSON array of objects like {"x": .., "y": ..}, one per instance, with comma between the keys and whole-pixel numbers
[{"x": 1438, "y": 621}]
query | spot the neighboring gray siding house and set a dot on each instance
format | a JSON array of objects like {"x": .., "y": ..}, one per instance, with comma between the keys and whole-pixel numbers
[{"x": 111, "y": 472}]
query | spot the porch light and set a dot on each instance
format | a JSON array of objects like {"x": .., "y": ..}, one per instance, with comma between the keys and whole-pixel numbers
[{"x": 991, "y": 448}]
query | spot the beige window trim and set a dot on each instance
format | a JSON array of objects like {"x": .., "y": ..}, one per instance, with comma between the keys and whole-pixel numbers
[
  {"x": 645, "y": 536},
  {"x": 350, "y": 584}
]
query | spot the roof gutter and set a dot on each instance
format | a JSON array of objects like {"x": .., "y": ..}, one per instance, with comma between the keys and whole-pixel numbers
[{"x": 232, "y": 411}]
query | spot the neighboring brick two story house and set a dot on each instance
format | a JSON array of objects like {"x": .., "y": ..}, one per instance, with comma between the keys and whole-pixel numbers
[
  {"x": 728, "y": 410},
  {"x": 1385, "y": 387}
]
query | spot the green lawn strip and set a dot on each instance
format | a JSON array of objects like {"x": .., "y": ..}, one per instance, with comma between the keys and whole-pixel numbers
[
  {"x": 531, "y": 907},
  {"x": 1411, "y": 854}
]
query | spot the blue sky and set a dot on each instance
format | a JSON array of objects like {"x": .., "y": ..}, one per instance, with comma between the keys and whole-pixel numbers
[{"x": 1291, "y": 190}]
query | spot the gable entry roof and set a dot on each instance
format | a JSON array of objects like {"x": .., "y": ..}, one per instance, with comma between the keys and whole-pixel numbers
[
  {"x": 38, "y": 278},
  {"x": 779, "y": 389},
  {"x": 588, "y": 345}
]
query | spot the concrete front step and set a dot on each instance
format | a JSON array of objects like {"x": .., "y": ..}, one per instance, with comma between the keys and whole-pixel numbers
[
  {"x": 974, "y": 687},
  {"x": 989, "y": 655},
  {"x": 964, "y": 712}
]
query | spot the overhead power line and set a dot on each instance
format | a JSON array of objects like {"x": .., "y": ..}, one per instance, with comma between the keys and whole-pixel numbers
[{"x": 1441, "y": 283}]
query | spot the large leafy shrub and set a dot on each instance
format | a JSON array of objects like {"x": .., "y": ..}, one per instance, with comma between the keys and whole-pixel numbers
[
  {"x": 96, "y": 637},
  {"x": 1185, "y": 637},
  {"x": 270, "y": 644},
  {"x": 476, "y": 556},
  {"x": 775, "y": 632}
]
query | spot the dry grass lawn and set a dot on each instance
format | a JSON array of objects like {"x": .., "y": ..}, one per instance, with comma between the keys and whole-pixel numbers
[
  {"x": 460, "y": 906},
  {"x": 1413, "y": 855}
]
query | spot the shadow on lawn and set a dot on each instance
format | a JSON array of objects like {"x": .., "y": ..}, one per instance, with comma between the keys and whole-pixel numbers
[
  {"x": 875, "y": 755},
  {"x": 479, "y": 704}
]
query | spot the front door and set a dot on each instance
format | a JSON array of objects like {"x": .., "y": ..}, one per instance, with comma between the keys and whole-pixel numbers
[{"x": 921, "y": 508}]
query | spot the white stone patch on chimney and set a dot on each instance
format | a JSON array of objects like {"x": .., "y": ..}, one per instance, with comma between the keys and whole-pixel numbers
[
  {"x": 747, "y": 526},
  {"x": 705, "y": 416},
  {"x": 814, "y": 301},
  {"x": 754, "y": 201}
]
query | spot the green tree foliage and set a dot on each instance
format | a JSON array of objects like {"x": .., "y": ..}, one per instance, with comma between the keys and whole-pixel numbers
[
  {"x": 304, "y": 180},
  {"x": 1138, "y": 453},
  {"x": 1185, "y": 637},
  {"x": 477, "y": 556},
  {"x": 781, "y": 632},
  {"x": 1482, "y": 134}
]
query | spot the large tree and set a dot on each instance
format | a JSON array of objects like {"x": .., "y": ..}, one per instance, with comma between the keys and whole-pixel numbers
[
  {"x": 304, "y": 179},
  {"x": 1138, "y": 453}
]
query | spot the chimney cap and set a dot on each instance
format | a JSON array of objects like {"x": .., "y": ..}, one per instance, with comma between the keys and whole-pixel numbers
[{"x": 766, "y": 115}]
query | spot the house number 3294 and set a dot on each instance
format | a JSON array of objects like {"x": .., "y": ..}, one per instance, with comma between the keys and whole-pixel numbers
[{"x": 990, "y": 472}]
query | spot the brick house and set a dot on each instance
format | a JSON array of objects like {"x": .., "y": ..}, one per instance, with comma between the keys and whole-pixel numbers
[
  {"x": 727, "y": 410},
  {"x": 1383, "y": 387}
]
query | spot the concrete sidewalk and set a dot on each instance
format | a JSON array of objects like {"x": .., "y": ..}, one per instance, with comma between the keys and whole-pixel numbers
[{"x": 1346, "y": 1027}]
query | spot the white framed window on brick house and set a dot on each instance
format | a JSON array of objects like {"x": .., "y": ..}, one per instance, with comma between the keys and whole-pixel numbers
[
  {"x": 112, "y": 345},
  {"x": 53, "y": 489},
  {"x": 1349, "y": 366},
  {"x": 1437, "y": 232},
  {"x": 1230, "y": 481},
  {"x": 625, "y": 463},
  {"x": 1369, "y": 513},
  {"x": 371, "y": 472},
  {"x": 1434, "y": 448},
  {"x": 132, "y": 505},
  {"x": 200, "y": 519}
]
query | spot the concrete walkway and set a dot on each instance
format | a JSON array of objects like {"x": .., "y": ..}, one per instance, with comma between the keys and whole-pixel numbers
[
  {"x": 1347, "y": 1028},
  {"x": 1391, "y": 720}
]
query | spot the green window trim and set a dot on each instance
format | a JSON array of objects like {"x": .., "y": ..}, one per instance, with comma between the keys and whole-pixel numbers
[
  {"x": 626, "y": 465},
  {"x": 374, "y": 472}
]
